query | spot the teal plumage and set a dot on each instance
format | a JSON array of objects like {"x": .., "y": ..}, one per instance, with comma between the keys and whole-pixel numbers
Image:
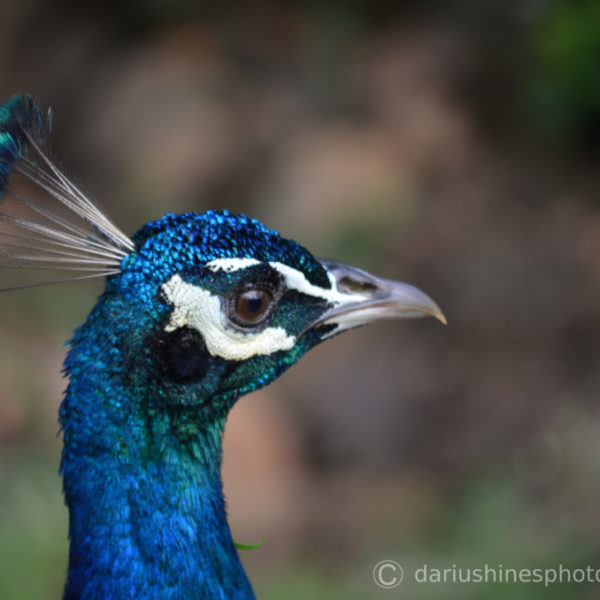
[{"x": 199, "y": 309}]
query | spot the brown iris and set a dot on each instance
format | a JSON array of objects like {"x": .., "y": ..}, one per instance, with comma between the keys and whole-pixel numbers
[{"x": 252, "y": 305}]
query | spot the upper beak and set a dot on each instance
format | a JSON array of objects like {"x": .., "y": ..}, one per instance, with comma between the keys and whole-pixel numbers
[{"x": 371, "y": 298}]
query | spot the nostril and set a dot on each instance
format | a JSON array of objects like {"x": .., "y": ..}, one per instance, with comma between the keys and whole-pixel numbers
[{"x": 355, "y": 286}]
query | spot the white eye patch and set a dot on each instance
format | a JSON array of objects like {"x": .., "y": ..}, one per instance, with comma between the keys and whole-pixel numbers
[{"x": 199, "y": 309}]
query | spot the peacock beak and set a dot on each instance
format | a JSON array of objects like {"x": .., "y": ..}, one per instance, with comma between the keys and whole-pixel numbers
[{"x": 367, "y": 298}]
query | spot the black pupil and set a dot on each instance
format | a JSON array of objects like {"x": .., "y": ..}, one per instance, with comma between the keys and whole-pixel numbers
[{"x": 254, "y": 305}]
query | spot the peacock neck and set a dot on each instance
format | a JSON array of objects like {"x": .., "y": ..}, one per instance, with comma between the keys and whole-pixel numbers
[{"x": 146, "y": 507}]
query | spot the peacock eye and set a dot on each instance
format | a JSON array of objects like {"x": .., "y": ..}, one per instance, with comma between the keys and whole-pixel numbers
[{"x": 252, "y": 307}]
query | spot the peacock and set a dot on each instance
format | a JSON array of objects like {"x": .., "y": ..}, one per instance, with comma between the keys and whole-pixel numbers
[{"x": 198, "y": 310}]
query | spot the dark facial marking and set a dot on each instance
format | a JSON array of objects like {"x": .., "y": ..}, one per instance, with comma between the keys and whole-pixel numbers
[{"x": 181, "y": 355}]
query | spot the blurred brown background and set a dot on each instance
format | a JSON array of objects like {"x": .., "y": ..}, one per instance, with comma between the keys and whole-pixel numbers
[{"x": 451, "y": 144}]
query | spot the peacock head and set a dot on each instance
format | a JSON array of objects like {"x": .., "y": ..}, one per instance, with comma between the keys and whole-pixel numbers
[
  {"x": 226, "y": 305},
  {"x": 199, "y": 308}
]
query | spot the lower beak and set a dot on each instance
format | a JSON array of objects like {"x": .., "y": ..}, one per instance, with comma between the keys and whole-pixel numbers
[{"x": 371, "y": 298}]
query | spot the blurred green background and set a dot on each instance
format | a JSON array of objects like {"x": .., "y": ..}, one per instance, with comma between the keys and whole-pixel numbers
[{"x": 451, "y": 144}]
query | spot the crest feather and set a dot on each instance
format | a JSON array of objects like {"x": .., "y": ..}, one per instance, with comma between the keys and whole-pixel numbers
[{"x": 46, "y": 222}]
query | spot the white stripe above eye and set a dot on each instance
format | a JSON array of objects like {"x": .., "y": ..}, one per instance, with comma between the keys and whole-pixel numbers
[
  {"x": 199, "y": 309},
  {"x": 229, "y": 265},
  {"x": 294, "y": 279}
]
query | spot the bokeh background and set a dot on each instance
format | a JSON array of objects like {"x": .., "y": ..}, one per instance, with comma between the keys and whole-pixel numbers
[{"x": 451, "y": 144}]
